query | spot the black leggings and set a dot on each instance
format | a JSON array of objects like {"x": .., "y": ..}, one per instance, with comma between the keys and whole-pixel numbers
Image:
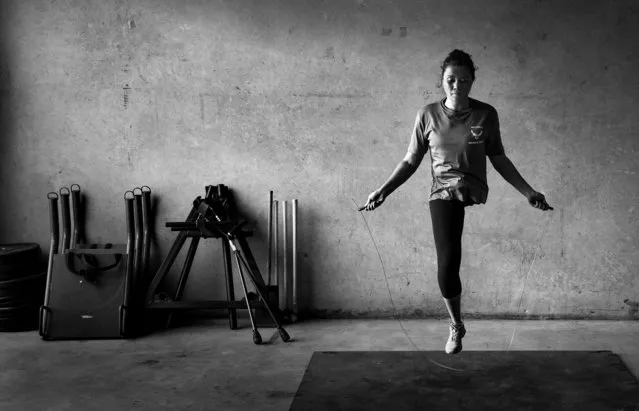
[{"x": 448, "y": 224}]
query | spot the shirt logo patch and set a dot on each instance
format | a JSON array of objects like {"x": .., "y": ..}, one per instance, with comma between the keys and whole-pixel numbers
[{"x": 476, "y": 131}]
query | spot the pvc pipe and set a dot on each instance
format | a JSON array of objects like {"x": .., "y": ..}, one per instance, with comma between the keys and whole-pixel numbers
[
  {"x": 137, "y": 249},
  {"x": 66, "y": 220},
  {"x": 294, "y": 252},
  {"x": 55, "y": 236},
  {"x": 130, "y": 243},
  {"x": 146, "y": 234},
  {"x": 75, "y": 212},
  {"x": 270, "y": 235},
  {"x": 285, "y": 252},
  {"x": 276, "y": 244}
]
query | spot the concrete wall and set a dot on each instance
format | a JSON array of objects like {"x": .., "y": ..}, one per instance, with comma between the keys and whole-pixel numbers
[{"x": 316, "y": 100}]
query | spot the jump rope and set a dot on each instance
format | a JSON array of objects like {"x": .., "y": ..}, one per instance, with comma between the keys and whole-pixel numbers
[{"x": 398, "y": 318}]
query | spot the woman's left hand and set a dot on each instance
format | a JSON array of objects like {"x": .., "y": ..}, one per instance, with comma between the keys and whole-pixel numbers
[{"x": 538, "y": 200}]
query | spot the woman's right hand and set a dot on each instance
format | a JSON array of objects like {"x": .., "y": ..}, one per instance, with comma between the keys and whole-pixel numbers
[{"x": 375, "y": 199}]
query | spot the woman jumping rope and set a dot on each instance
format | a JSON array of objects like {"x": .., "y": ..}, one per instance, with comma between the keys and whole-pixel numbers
[{"x": 459, "y": 133}]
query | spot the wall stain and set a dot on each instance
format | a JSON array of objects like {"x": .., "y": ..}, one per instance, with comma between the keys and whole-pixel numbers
[
  {"x": 329, "y": 53},
  {"x": 201, "y": 97},
  {"x": 562, "y": 229},
  {"x": 126, "y": 90},
  {"x": 126, "y": 57},
  {"x": 157, "y": 114},
  {"x": 521, "y": 54},
  {"x": 386, "y": 32}
]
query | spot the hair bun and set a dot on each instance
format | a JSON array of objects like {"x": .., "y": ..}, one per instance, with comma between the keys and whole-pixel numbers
[
  {"x": 459, "y": 57},
  {"x": 459, "y": 54}
]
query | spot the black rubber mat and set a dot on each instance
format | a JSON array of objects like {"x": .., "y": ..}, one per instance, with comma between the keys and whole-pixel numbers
[{"x": 472, "y": 380}]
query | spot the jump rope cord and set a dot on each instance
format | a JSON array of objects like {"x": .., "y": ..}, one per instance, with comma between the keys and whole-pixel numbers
[
  {"x": 399, "y": 321},
  {"x": 521, "y": 297},
  {"x": 393, "y": 303},
  {"x": 386, "y": 278}
]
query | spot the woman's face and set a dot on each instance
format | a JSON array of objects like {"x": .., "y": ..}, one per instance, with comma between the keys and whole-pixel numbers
[{"x": 457, "y": 82}]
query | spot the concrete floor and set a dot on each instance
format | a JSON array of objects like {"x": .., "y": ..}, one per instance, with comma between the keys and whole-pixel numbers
[{"x": 207, "y": 366}]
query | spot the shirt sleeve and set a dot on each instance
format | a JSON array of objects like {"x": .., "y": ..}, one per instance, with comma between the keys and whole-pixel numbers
[
  {"x": 418, "y": 144},
  {"x": 494, "y": 145}
]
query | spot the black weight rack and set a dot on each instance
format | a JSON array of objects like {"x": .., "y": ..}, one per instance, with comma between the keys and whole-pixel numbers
[{"x": 215, "y": 216}]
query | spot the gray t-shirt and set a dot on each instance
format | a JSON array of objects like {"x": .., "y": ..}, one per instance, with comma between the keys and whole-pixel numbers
[{"x": 458, "y": 142}]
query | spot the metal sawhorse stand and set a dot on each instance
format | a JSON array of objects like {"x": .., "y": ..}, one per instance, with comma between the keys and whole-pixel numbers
[{"x": 215, "y": 217}]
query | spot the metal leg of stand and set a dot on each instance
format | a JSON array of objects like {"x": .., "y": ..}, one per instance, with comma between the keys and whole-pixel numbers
[
  {"x": 166, "y": 266},
  {"x": 248, "y": 256},
  {"x": 283, "y": 334},
  {"x": 169, "y": 260},
  {"x": 230, "y": 293},
  {"x": 190, "y": 256},
  {"x": 257, "y": 338}
]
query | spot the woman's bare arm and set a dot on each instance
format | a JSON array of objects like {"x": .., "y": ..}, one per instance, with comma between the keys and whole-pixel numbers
[{"x": 403, "y": 171}]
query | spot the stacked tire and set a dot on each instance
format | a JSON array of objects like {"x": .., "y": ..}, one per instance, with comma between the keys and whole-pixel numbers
[{"x": 23, "y": 279}]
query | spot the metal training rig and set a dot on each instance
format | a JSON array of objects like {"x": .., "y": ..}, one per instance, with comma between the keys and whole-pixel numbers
[{"x": 215, "y": 216}]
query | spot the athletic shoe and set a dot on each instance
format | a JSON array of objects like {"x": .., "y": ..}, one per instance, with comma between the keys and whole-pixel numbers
[{"x": 454, "y": 343}]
